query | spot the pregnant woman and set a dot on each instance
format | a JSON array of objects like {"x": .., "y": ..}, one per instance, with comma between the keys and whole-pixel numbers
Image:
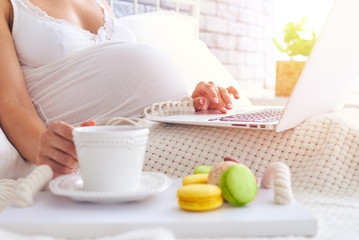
[{"x": 66, "y": 62}]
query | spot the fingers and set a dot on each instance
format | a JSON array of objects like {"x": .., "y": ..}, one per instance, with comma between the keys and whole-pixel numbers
[
  {"x": 226, "y": 98},
  {"x": 56, "y": 164},
  {"x": 232, "y": 90},
  {"x": 57, "y": 149},
  {"x": 88, "y": 123},
  {"x": 213, "y": 93},
  {"x": 201, "y": 103},
  {"x": 219, "y": 97},
  {"x": 59, "y": 162},
  {"x": 208, "y": 90},
  {"x": 210, "y": 96},
  {"x": 61, "y": 129},
  {"x": 60, "y": 135}
]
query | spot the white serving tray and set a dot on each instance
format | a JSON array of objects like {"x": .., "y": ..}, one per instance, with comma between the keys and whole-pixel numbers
[{"x": 63, "y": 217}]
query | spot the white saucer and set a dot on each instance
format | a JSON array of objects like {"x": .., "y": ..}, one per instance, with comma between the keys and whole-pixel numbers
[{"x": 71, "y": 185}]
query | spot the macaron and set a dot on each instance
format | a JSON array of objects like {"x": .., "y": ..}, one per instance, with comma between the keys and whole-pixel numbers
[
  {"x": 238, "y": 185},
  {"x": 202, "y": 169},
  {"x": 215, "y": 174},
  {"x": 200, "y": 178},
  {"x": 199, "y": 197}
]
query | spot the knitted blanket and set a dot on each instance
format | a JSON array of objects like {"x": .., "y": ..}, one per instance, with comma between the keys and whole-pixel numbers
[{"x": 322, "y": 153}]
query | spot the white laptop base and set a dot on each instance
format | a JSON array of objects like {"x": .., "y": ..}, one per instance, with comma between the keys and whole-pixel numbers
[{"x": 263, "y": 118}]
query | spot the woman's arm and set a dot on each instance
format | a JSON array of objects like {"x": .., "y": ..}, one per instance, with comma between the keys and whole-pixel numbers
[{"x": 18, "y": 117}]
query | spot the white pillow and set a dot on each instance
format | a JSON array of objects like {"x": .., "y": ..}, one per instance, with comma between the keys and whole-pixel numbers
[{"x": 174, "y": 35}]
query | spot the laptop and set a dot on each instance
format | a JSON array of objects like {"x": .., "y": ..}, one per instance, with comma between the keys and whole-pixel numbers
[{"x": 330, "y": 72}]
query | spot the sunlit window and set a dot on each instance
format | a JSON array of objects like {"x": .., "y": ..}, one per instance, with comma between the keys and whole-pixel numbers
[
  {"x": 293, "y": 10},
  {"x": 285, "y": 11}
]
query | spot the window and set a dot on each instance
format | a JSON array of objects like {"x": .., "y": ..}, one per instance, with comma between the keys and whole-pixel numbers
[{"x": 285, "y": 11}]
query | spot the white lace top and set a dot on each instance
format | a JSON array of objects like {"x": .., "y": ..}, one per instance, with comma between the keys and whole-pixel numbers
[{"x": 41, "y": 39}]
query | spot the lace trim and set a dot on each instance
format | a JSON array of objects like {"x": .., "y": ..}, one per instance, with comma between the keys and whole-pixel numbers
[
  {"x": 169, "y": 108},
  {"x": 107, "y": 27},
  {"x": 156, "y": 109}
]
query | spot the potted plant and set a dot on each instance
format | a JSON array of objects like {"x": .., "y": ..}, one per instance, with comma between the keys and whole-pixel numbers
[{"x": 298, "y": 40}]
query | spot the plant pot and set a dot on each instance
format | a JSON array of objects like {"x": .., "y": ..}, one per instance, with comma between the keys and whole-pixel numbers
[{"x": 287, "y": 75}]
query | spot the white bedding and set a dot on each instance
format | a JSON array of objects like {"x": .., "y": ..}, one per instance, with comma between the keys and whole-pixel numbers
[{"x": 11, "y": 163}]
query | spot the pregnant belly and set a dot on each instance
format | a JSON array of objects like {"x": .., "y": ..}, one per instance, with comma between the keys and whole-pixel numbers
[{"x": 109, "y": 80}]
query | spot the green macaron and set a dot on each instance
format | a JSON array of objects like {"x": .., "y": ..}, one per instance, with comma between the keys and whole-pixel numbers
[
  {"x": 202, "y": 169},
  {"x": 239, "y": 185}
]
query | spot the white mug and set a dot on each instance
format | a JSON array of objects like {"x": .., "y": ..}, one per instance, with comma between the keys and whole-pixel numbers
[{"x": 110, "y": 157}]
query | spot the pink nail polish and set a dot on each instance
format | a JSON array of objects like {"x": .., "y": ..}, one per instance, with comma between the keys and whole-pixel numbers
[{"x": 231, "y": 159}]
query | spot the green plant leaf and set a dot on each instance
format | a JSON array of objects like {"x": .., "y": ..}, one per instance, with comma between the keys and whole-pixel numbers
[{"x": 294, "y": 42}]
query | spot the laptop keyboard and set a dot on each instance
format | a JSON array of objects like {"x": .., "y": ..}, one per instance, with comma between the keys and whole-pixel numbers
[{"x": 265, "y": 115}]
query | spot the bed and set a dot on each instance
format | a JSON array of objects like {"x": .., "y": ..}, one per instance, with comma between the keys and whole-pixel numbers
[{"x": 322, "y": 153}]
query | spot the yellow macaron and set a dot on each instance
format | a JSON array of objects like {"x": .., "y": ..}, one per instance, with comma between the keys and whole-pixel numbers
[
  {"x": 195, "y": 178},
  {"x": 199, "y": 197}
]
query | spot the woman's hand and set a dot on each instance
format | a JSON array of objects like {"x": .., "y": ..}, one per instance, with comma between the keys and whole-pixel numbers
[
  {"x": 208, "y": 96},
  {"x": 57, "y": 148}
]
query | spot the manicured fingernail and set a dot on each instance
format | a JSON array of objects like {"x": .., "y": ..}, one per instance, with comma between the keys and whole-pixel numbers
[
  {"x": 223, "y": 109},
  {"x": 201, "y": 101},
  {"x": 215, "y": 100},
  {"x": 231, "y": 159},
  {"x": 229, "y": 106}
]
